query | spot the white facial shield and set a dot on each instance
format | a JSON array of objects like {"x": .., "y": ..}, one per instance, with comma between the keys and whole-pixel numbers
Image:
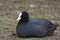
[{"x": 19, "y": 17}]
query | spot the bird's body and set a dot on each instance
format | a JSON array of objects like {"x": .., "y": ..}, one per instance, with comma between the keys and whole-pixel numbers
[{"x": 35, "y": 27}]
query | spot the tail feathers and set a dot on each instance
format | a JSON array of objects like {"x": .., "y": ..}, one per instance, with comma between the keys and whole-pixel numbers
[
  {"x": 56, "y": 25},
  {"x": 52, "y": 28}
]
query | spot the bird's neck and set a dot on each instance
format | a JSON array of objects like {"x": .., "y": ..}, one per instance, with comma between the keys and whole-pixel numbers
[{"x": 24, "y": 20}]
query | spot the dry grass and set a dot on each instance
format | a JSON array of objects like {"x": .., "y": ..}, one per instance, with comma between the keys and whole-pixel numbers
[{"x": 47, "y": 9}]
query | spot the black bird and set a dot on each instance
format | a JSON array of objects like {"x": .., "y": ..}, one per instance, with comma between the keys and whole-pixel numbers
[{"x": 34, "y": 27}]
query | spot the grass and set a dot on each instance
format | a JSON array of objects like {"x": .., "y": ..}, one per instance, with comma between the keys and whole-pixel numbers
[{"x": 8, "y": 16}]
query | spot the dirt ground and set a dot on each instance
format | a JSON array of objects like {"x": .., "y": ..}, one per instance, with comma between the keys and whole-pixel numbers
[{"x": 9, "y": 9}]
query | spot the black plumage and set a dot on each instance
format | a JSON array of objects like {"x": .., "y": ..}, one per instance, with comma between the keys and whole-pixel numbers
[{"x": 34, "y": 27}]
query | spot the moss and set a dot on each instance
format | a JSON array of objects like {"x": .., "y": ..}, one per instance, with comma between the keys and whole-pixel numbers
[{"x": 4, "y": 19}]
